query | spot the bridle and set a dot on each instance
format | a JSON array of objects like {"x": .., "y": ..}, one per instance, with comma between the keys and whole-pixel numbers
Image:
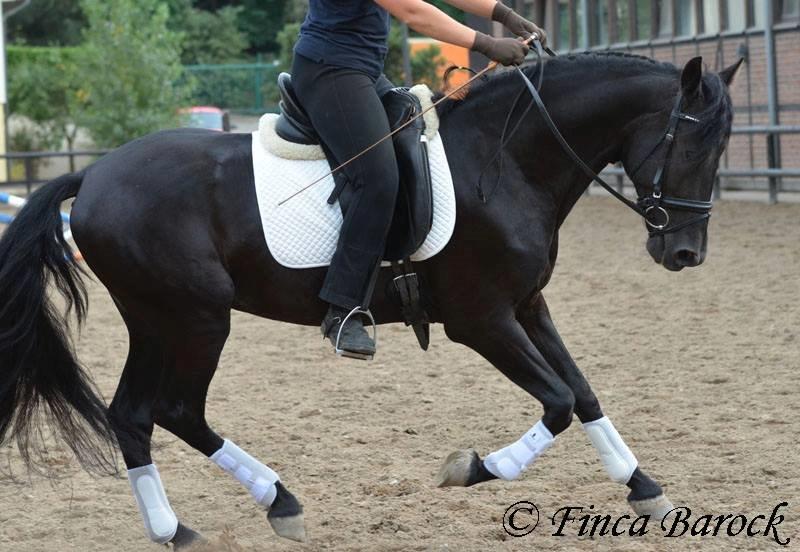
[{"x": 656, "y": 204}]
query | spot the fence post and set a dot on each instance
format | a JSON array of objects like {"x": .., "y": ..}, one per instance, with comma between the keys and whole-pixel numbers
[
  {"x": 28, "y": 175},
  {"x": 259, "y": 80},
  {"x": 773, "y": 139}
]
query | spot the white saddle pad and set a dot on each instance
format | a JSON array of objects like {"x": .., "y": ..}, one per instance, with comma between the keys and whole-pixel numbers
[{"x": 302, "y": 233}]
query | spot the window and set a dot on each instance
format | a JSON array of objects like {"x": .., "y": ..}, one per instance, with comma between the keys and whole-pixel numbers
[
  {"x": 711, "y": 19},
  {"x": 685, "y": 21},
  {"x": 580, "y": 31},
  {"x": 623, "y": 21},
  {"x": 600, "y": 23},
  {"x": 664, "y": 17},
  {"x": 644, "y": 19},
  {"x": 757, "y": 8},
  {"x": 563, "y": 38},
  {"x": 735, "y": 13},
  {"x": 790, "y": 9}
]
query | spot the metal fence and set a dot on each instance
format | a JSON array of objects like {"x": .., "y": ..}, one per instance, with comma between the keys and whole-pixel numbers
[
  {"x": 774, "y": 177},
  {"x": 246, "y": 88},
  {"x": 730, "y": 178},
  {"x": 28, "y": 160}
]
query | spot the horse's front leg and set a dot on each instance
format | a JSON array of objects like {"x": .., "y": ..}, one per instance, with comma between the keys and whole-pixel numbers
[
  {"x": 646, "y": 496},
  {"x": 503, "y": 342}
]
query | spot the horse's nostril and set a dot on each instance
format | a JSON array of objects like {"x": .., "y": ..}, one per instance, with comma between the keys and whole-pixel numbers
[{"x": 686, "y": 257}]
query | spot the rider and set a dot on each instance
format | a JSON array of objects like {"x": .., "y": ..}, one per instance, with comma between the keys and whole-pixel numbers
[{"x": 337, "y": 76}]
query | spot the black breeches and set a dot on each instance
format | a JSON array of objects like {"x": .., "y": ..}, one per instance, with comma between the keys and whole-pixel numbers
[{"x": 345, "y": 107}]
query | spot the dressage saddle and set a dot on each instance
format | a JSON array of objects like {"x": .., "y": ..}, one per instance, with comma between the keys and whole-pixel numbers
[{"x": 413, "y": 216}]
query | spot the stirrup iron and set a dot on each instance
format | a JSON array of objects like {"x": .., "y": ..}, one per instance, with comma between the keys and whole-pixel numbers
[{"x": 351, "y": 354}]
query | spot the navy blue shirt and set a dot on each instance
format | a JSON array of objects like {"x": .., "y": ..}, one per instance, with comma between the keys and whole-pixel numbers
[{"x": 345, "y": 33}]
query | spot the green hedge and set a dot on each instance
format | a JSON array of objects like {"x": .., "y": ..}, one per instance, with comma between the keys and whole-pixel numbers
[{"x": 48, "y": 55}]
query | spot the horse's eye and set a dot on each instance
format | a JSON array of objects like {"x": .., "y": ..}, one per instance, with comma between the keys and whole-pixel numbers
[{"x": 688, "y": 154}]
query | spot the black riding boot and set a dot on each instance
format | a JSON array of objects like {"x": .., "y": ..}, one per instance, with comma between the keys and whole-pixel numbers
[{"x": 354, "y": 341}]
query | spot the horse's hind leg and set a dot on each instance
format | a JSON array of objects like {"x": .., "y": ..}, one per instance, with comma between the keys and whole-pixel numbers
[
  {"x": 646, "y": 496},
  {"x": 131, "y": 416},
  {"x": 192, "y": 358}
]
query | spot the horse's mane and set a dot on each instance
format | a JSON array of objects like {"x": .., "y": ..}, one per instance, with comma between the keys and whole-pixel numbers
[{"x": 715, "y": 119}]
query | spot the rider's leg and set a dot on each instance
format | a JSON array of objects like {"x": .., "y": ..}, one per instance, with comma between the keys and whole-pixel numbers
[
  {"x": 344, "y": 106},
  {"x": 383, "y": 85}
]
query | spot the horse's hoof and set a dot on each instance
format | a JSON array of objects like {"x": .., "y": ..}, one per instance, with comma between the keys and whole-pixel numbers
[
  {"x": 656, "y": 507},
  {"x": 185, "y": 538},
  {"x": 289, "y": 527},
  {"x": 286, "y": 515},
  {"x": 460, "y": 469}
]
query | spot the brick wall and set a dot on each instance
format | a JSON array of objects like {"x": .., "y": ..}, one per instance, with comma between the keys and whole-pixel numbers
[{"x": 749, "y": 93}]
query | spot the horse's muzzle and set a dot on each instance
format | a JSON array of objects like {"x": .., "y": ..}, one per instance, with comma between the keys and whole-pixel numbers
[{"x": 674, "y": 256}]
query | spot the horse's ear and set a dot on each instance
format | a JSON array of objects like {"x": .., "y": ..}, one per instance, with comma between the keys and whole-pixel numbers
[
  {"x": 691, "y": 75},
  {"x": 729, "y": 73}
]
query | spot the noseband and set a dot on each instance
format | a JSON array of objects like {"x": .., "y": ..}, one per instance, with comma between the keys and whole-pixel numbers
[{"x": 655, "y": 208}]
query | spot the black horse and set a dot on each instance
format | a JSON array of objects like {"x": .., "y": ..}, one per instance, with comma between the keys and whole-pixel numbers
[{"x": 169, "y": 223}]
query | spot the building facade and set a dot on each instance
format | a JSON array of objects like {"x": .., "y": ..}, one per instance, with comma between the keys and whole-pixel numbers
[{"x": 722, "y": 31}]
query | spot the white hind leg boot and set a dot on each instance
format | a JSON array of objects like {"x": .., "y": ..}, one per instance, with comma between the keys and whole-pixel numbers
[
  {"x": 617, "y": 458},
  {"x": 160, "y": 521},
  {"x": 255, "y": 476},
  {"x": 509, "y": 462}
]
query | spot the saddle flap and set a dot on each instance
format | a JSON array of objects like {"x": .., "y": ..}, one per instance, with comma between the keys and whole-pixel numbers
[{"x": 413, "y": 215}]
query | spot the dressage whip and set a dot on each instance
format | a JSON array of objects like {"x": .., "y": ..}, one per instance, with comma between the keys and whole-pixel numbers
[{"x": 490, "y": 67}]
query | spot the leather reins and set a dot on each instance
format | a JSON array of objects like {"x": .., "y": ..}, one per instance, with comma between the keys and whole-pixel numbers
[{"x": 656, "y": 202}]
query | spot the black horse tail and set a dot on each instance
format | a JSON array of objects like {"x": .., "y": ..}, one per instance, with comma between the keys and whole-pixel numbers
[{"x": 41, "y": 382}]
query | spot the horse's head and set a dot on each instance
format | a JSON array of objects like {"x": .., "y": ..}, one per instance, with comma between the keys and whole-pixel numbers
[{"x": 672, "y": 156}]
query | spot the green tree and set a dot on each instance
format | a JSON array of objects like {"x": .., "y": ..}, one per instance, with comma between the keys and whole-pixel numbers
[
  {"x": 47, "y": 23},
  {"x": 261, "y": 21},
  {"x": 286, "y": 39},
  {"x": 295, "y": 11},
  {"x": 129, "y": 69},
  {"x": 209, "y": 37},
  {"x": 425, "y": 64},
  {"x": 44, "y": 89}
]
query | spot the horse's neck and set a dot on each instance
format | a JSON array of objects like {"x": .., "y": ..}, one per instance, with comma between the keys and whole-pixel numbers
[
  {"x": 592, "y": 112},
  {"x": 595, "y": 118}
]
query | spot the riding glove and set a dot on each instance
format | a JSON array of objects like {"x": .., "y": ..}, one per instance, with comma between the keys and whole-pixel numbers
[
  {"x": 517, "y": 24},
  {"x": 507, "y": 51}
]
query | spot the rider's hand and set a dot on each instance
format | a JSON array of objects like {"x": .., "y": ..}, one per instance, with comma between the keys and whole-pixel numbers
[
  {"x": 507, "y": 51},
  {"x": 517, "y": 24}
]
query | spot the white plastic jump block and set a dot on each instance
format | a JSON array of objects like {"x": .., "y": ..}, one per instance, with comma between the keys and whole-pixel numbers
[
  {"x": 160, "y": 521},
  {"x": 256, "y": 477},
  {"x": 617, "y": 458},
  {"x": 509, "y": 462}
]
